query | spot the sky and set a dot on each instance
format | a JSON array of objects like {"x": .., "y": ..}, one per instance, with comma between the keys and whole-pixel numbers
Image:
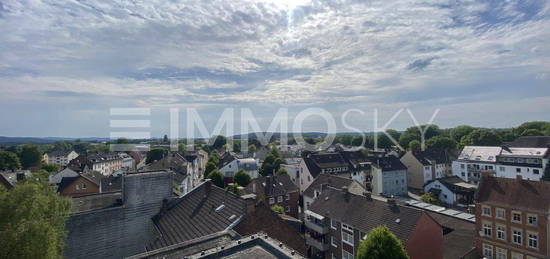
[{"x": 65, "y": 64}]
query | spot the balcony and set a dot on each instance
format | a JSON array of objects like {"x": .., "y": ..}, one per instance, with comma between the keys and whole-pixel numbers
[
  {"x": 317, "y": 243},
  {"x": 316, "y": 226}
]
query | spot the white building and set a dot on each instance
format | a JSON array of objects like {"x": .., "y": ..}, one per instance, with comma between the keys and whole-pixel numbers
[
  {"x": 530, "y": 163},
  {"x": 389, "y": 176},
  {"x": 452, "y": 190},
  {"x": 61, "y": 158},
  {"x": 475, "y": 160},
  {"x": 249, "y": 165},
  {"x": 127, "y": 161},
  {"x": 293, "y": 171}
]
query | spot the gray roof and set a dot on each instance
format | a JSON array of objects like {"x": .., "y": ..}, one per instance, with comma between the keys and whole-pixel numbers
[
  {"x": 365, "y": 214},
  {"x": 331, "y": 180},
  {"x": 56, "y": 178},
  {"x": 57, "y": 153},
  {"x": 204, "y": 210},
  {"x": 275, "y": 185}
]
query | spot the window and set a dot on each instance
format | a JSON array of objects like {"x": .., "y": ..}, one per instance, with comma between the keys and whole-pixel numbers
[
  {"x": 332, "y": 242},
  {"x": 346, "y": 255},
  {"x": 461, "y": 166},
  {"x": 535, "y": 171},
  {"x": 287, "y": 196},
  {"x": 516, "y": 216},
  {"x": 532, "y": 220},
  {"x": 83, "y": 186},
  {"x": 333, "y": 224},
  {"x": 501, "y": 168},
  {"x": 271, "y": 200},
  {"x": 347, "y": 238},
  {"x": 501, "y": 232},
  {"x": 488, "y": 251},
  {"x": 487, "y": 229},
  {"x": 501, "y": 253},
  {"x": 463, "y": 174},
  {"x": 486, "y": 211},
  {"x": 77, "y": 187},
  {"x": 518, "y": 170},
  {"x": 533, "y": 240},
  {"x": 500, "y": 213},
  {"x": 280, "y": 199},
  {"x": 287, "y": 208},
  {"x": 516, "y": 236}
]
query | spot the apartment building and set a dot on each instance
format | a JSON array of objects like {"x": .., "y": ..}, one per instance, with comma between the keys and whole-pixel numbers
[
  {"x": 423, "y": 167},
  {"x": 277, "y": 190},
  {"x": 512, "y": 218},
  {"x": 475, "y": 161},
  {"x": 389, "y": 176},
  {"x": 314, "y": 164},
  {"x": 105, "y": 163},
  {"x": 60, "y": 158},
  {"x": 324, "y": 181},
  {"x": 338, "y": 221}
]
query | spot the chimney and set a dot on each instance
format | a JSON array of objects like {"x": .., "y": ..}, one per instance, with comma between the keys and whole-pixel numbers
[
  {"x": 519, "y": 177},
  {"x": 250, "y": 203},
  {"x": 207, "y": 187},
  {"x": 391, "y": 202},
  {"x": 254, "y": 187}
]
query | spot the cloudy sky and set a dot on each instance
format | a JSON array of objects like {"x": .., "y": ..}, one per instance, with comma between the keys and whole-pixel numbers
[{"x": 65, "y": 64}]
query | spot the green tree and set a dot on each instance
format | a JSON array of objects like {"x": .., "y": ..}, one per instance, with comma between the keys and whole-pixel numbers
[
  {"x": 429, "y": 198},
  {"x": 182, "y": 147},
  {"x": 481, "y": 137},
  {"x": 415, "y": 145},
  {"x": 155, "y": 154},
  {"x": 165, "y": 138},
  {"x": 278, "y": 209},
  {"x": 62, "y": 146},
  {"x": 9, "y": 161},
  {"x": 532, "y": 132},
  {"x": 234, "y": 188},
  {"x": 50, "y": 168},
  {"x": 32, "y": 221},
  {"x": 210, "y": 166},
  {"x": 381, "y": 243},
  {"x": 219, "y": 142},
  {"x": 217, "y": 178},
  {"x": 251, "y": 149},
  {"x": 30, "y": 156},
  {"x": 538, "y": 125},
  {"x": 282, "y": 171},
  {"x": 441, "y": 143},
  {"x": 122, "y": 141},
  {"x": 236, "y": 146},
  {"x": 460, "y": 131},
  {"x": 242, "y": 178}
]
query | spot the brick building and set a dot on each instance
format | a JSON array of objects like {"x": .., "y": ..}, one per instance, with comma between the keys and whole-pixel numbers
[
  {"x": 512, "y": 218},
  {"x": 277, "y": 190}
]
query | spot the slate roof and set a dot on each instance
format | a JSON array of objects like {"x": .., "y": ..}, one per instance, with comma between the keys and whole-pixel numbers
[
  {"x": 420, "y": 156},
  {"x": 57, "y": 153},
  {"x": 57, "y": 177},
  {"x": 225, "y": 158},
  {"x": 204, "y": 210},
  {"x": 334, "y": 181},
  {"x": 96, "y": 201},
  {"x": 174, "y": 162},
  {"x": 457, "y": 235},
  {"x": 365, "y": 214},
  {"x": 315, "y": 162},
  {"x": 514, "y": 193},
  {"x": 111, "y": 183},
  {"x": 247, "y": 164},
  {"x": 356, "y": 159},
  {"x": 388, "y": 163},
  {"x": 455, "y": 184},
  {"x": 66, "y": 181},
  {"x": 275, "y": 185},
  {"x": 530, "y": 141}
]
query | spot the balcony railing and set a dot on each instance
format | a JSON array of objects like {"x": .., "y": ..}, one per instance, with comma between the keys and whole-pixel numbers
[
  {"x": 319, "y": 228},
  {"x": 317, "y": 243}
]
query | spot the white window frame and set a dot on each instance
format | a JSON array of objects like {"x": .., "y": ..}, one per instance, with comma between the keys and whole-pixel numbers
[
  {"x": 488, "y": 248},
  {"x": 271, "y": 200},
  {"x": 512, "y": 216},
  {"x": 280, "y": 198},
  {"x": 536, "y": 239},
  {"x": 486, "y": 210},
  {"x": 516, "y": 255},
  {"x": 346, "y": 254},
  {"x": 287, "y": 196},
  {"x": 501, "y": 253},
  {"x": 333, "y": 224},
  {"x": 497, "y": 210},
  {"x": 487, "y": 229},
  {"x": 515, "y": 234},
  {"x": 332, "y": 242},
  {"x": 531, "y": 222},
  {"x": 501, "y": 229}
]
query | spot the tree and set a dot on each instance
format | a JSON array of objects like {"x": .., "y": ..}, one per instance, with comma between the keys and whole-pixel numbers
[
  {"x": 62, "y": 146},
  {"x": 278, "y": 209},
  {"x": 460, "y": 131},
  {"x": 532, "y": 132},
  {"x": 32, "y": 221},
  {"x": 9, "y": 161},
  {"x": 538, "y": 125},
  {"x": 122, "y": 141},
  {"x": 481, "y": 137},
  {"x": 415, "y": 145},
  {"x": 429, "y": 198},
  {"x": 381, "y": 243},
  {"x": 210, "y": 166},
  {"x": 50, "y": 168},
  {"x": 237, "y": 146},
  {"x": 182, "y": 147},
  {"x": 219, "y": 141},
  {"x": 30, "y": 156},
  {"x": 441, "y": 143},
  {"x": 234, "y": 188},
  {"x": 165, "y": 138},
  {"x": 252, "y": 149},
  {"x": 242, "y": 178},
  {"x": 282, "y": 171},
  {"x": 155, "y": 155},
  {"x": 217, "y": 178}
]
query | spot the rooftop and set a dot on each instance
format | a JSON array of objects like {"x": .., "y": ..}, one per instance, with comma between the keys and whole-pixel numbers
[{"x": 480, "y": 153}]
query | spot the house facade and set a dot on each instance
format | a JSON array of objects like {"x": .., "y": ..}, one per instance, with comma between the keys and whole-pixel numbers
[
  {"x": 475, "y": 161},
  {"x": 389, "y": 176},
  {"x": 277, "y": 190},
  {"x": 512, "y": 223},
  {"x": 452, "y": 190},
  {"x": 323, "y": 181},
  {"x": 249, "y": 165},
  {"x": 338, "y": 221},
  {"x": 60, "y": 158},
  {"x": 105, "y": 163},
  {"x": 423, "y": 167},
  {"x": 313, "y": 164}
]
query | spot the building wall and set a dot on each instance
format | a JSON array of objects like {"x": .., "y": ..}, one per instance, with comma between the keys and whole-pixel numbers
[
  {"x": 415, "y": 171},
  {"x": 467, "y": 172},
  {"x": 507, "y": 244},
  {"x": 445, "y": 196},
  {"x": 71, "y": 189},
  {"x": 389, "y": 182},
  {"x": 426, "y": 240},
  {"x": 305, "y": 177},
  {"x": 528, "y": 173},
  {"x": 294, "y": 172}
]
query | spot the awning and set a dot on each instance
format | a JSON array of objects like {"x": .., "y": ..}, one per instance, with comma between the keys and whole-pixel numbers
[{"x": 315, "y": 215}]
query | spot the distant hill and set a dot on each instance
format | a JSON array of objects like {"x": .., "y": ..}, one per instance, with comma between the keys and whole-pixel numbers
[{"x": 45, "y": 140}]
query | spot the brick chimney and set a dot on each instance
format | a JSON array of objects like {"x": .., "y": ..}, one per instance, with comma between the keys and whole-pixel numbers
[
  {"x": 250, "y": 202},
  {"x": 346, "y": 192}
]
